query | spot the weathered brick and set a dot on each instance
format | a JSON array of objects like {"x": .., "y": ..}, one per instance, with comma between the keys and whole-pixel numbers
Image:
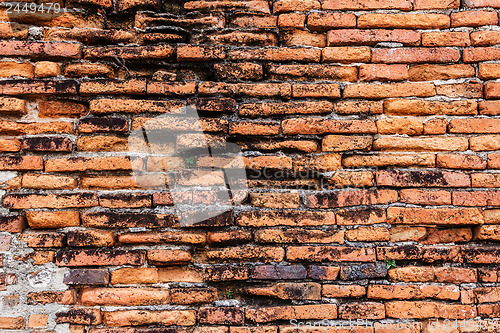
[
  {"x": 455, "y": 38},
  {"x": 101, "y": 257},
  {"x": 428, "y": 72},
  {"x": 199, "y": 53},
  {"x": 245, "y": 89},
  {"x": 329, "y": 90},
  {"x": 388, "y": 90},
  {"x": 413, "y": 292},
  {"x": 343, "y": 291},
  {"x": 330, "y": 253},
  {"x": 247, "y": 253},
  {"x": 291, "y": 272},
  {"x": 60, "y": 109},
  {"x": 282, "y": 109},
  {"x": 47, "y": 144},
  {"x": 296, "y": 126},
  {"x": 460, "y": 90},
  {"x": 404, "y": 107},
  {"x": 372, "y": 36},
  {"x": 346, "y": 54},
  {"x": 313, "y": 72},
  {"x": 292, "y": 20},
  {"x": 87, "y": 277},
  {"x": 406, "y": 126},
  {"x": 473, "y": 18},
  {"x": 431, "y": 4},
  {"x": 238, "y": 71},
  {"x": 313, "y": 311},
  {"x": 363, "y": 271},
  {"x": 415, "y": 55},
  {"x": 420, "y": 310},
  {"x": 429, "y": 143},
  {"x": 425, "y": 197},
  {"x": 366, "y": 310},
  {"x": 44, "y": 50},
  {"x": 359, "y": 107},
  {"x": 485, "y": 142},
  {"x": 439, "y": 216},
  {"x": 321, "y": 21},
  {"x": 281, "y": 54},
  {"x": 481, "y": 54},
  {"x": 82, "y": 316},
  {"x": 124, "y": 296},
  {"x": 366, "y": 5},
  {"x": 70, "y": 200},
  {"x": 351, "y": 198},
  {"x": 401, "y": 21},
  {"x": 302, "y": 38},
  {"x": 147, "y": 317}
]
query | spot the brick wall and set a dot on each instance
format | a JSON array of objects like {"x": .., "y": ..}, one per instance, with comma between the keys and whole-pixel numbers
[{"x": 370, "y": 135}]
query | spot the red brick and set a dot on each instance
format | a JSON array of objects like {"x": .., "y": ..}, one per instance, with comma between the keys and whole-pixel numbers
[
  {"x": 413, "y": 292},
  {"x": 52, "y": 219},
  {"x": 302, "y": 38},
  {"x": 292, "y": 20},
  {"x": 366, "y": 5},
  {"x": 440, "y": 216},
  {"x": 45, "y": 50},
  {"x": 113, "y": 87},
  {"x": 351, "y": 198},
  {"x": 199, "y": 53},
  {"x": 421, "y": 310},
  {"x": 129, "y": 52},
  {"x": 321, "y": 21},
  {"x": 313, "y": 72},
  {"x": 440, "y": 72},
  {"x": 286, "y": 218},
  {"x": 432, "y": 4},
  {"x": 401, "y": 21},
  {"x": 12, "y": 323},
  {"x": 346, "y": 54},
  {"x": 485, "y": 142},
  {"x": 329, "y": 90},
  {"x": 101, "y": 257},
  {"x": 473, "y": 18},
  {"x": 383, "y": 73},
  {"x": 482, "y": 3},
  {"x": 324, "y": 126},
  {"x": 330, "y": 253},
  {"x": 27, "y": 200},
  {"x": 281, "y": 54},
  {"x": 435, "y": 126},
  {"x": 425, "y": 197},
  {"x": 415, "y": 55},
  {"x": 245, "y": 89},
  {"x": 372, "y": 37},
  {"x": 147, "y": 317},
  {"x": 478, "y": 54},
  {"x": 406, "y": 126},
  {"x": 389, "y": 90},
  {"x": 458, "y": 161},
  {"x": 343, "y": 291},
  {"x": 389, "y": 159},
  {"x": 359, "y": 107},
  {"x": 455, "y": 38},
  {"x": 282, "y": 109},
  {"x": 292, "y": 6},
  {"x": 366, "y": 310},
  {"x": 431, "y": 143}
]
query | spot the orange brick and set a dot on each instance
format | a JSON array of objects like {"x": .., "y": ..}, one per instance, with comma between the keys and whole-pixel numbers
[
  {"x": 420, "y": 310},
  {"x": 402, "y": 21},
  {"x": 389, "y": 90},
  {"x": 446, "y": 39},
  {"x": 321, "y": 21},
  {"x": 372, "y": 36},
  {"x": 346, "y": 54},
  {"x": 292, "y": 20},
  {"x": 440, "y": 72},
  {"x": 473, "y": 18},
  {"x": 432, "y": 4},
  {"x": 366, "y": 5},
  {"x": 383, "y": 72},
  {"x": 415, "y": 55}
]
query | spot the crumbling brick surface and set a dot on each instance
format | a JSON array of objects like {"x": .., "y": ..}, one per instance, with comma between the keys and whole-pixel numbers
[{"x": 368, "y": 129}]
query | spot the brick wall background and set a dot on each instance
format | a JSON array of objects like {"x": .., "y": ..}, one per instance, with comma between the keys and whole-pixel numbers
[{"x": 388, "y": 108}]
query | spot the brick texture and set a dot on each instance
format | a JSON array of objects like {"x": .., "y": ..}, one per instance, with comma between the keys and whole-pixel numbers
[{"x": 370, "y": 138}]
